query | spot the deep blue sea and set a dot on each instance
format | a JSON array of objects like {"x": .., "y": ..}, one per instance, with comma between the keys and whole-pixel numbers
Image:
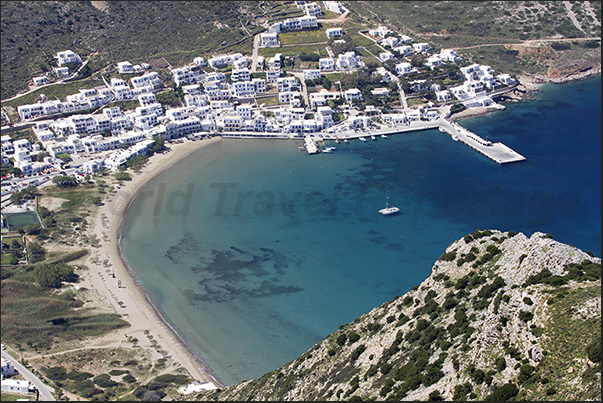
[{"x": 255, "y": 251}]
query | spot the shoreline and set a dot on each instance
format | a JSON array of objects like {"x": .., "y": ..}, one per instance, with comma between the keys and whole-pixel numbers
[{"x": 149, "y": 315}]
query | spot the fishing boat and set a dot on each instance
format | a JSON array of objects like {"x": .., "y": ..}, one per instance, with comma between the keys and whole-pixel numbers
[
  {"x": 388, "y": 210},
  {"x": 361, "y": 138},
  {"x": 373, "y": 137},
  {"x": 455, "y": 137},
  {"x": 328, "y": 149},
  {"x": 383, "y": 136}
]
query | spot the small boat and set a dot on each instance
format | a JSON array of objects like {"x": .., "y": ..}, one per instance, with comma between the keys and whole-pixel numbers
[
  {"x": 383, "y": 136},
  {"x": 441, "y": 129},
  {"x": 388, "y": 210},
  {"x": 301, "y": 148},
  {"x": 373, "y": 137},
  {"x": 362, "y": 139},
  {"x": 455, "y": 137},
  {"x": 337, "y": 141},
  {"x": 328, "y": 149},
  {"x": 346, "y": 140}
]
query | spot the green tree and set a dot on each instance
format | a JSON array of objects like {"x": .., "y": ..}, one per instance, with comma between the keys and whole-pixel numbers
[{"x": 64, "y": 181}]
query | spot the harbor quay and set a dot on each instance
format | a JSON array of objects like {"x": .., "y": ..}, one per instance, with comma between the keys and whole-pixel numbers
[{"x": 498, "y": 152}]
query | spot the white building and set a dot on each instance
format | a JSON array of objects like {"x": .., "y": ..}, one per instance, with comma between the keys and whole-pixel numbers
[
  {"x": 269, "y": 40},
  {"x": 61, "y": 71},
  {"x": 380, "y": 31},
  {"x": 67, "y": 57},
  {"x": 272, "y": 75},
  {"x": 125, "y": 67},
  {"x": 390, "y": 41},
  {"x": 421, "y": 47},
  {"x": 286, "y": 84},
  {"x": 433, "y": 61},
  {"x": 120, "y": 89},
  {"x": 443, "y": 96},
  {"x": 274, "y": 63},
  {"x": 199, "y": 61},
  {"x": 311, "y": 74},
  {"x": 312, "y": 9},
  {"x": 296, "y": 24},
  {"x": 380, "y": 92},
  {"x": 288, "y": 96},
  {"x": 40, "y": 80},
  {"x": 332, "y": 32},
  {"x": 17, "y": 386},
  {"x": 240, "y": 75},
  {"x": 326, "y": 64},
  {"x": 334, "y": 6},
  {"x": 243, "y": 89},
  {"x": 185, "y": 75},
  {"x": 404, "y": 50},
  {"x": 403, "y": 68},
  {"x": 348, "y": 61},
  {"x": 449, "y": 55},
  {"x": 353, "y": 94},
  {"x": 259, "y": 84},
  {"x": 151, "y": 78},
  {"x": 384, "y": 56},
  {"x": 505, "y": 79}
]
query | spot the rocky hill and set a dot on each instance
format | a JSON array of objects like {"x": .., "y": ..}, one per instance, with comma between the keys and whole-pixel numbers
[{"x": 502, "y": 316}]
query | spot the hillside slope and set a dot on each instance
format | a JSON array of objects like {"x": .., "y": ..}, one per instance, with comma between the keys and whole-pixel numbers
[{"x": 501, "y": 316}]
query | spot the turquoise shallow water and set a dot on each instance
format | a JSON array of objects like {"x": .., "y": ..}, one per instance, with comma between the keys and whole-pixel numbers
[{"x": 255, "y": 251}]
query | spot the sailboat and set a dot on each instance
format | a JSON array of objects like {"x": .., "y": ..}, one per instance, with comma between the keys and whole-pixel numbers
[{"x": 388, "y": 210}]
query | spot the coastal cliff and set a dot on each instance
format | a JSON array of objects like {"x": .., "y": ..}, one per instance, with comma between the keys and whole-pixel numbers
[{"x": 502, "y": 316}]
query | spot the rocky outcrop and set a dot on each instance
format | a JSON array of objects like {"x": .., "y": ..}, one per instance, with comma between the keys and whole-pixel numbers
[{"x": 501, "y": 316}]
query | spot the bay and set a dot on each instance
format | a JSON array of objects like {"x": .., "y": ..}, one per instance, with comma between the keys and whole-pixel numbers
[{"x": 254, "y": 251}]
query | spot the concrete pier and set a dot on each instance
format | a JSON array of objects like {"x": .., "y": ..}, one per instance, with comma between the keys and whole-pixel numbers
[
  {"x": 498, "y": 152},
  {"x": 311, "y": 146}
]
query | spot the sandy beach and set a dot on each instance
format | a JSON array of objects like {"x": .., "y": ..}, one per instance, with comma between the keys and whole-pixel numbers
[{"x": 116, "y": 285}]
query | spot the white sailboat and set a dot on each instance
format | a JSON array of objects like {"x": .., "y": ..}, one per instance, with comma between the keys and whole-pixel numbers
[{"x": 388, "y": 210}]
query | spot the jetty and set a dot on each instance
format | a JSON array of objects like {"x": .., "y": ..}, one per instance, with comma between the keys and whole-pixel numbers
[
  {"x": 311, "y": 146},
  {"x": 498, "y": 152}
]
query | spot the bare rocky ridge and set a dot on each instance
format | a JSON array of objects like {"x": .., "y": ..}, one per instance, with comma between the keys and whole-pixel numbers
[{"x": 501, "y": 316}]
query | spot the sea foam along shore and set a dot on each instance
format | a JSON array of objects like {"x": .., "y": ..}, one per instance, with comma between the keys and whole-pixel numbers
[{"x": 125, "y": 293}]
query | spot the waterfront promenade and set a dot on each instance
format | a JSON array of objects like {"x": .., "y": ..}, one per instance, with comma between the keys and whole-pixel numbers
[{"x": 498, "y": 152}]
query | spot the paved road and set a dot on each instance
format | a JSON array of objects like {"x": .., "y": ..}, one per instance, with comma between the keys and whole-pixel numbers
[
  {"x": 45, "y": 391},
  {"x": 254, "y": 54}
]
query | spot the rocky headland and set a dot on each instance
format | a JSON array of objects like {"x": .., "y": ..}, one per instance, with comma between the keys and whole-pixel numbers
[{"x": 502, "y": 316}]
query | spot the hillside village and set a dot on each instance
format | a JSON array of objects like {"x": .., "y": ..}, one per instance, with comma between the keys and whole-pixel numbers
[{"x": 226, "y": 95}]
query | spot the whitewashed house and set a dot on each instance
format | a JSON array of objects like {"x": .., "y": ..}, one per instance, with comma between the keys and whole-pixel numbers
[
  {"x": 243, "y": 89},
  {"x": 274, "y": 63},
  {"x": 443, "y": 96},
  {"x": 505, "y": 79},
  {"x": 125, "y": 67},
  {"x": 380, "y": 31},
  {"x": 67, "y": 57},
  {"x": 312, "y": 9},
  {"x": 272, "y": 75},
  {"x": 384, "y": 56},
  {"x": 348, "y": 61},
  {"x": 286, "y": 84},
  {"x": 326, "y": 64},
  {"x": 199, "y": 61},
  {"x": 120, "y": 89},
  {"x": 333, "y": 32},
  {"x": 353, "y": 94},
  {"x": 259, "y": 84},
  {"x": 311, "y": 74},
  {"x": 40, "y": 80},
  {"x": 449, "y": 55},
  {"x": 240, "y": 75},
  {"x": 404, "y": 50},
  {"x": 390, "y": 41},
  {"x": 403, "y": 68},
  {"x": 269, "y": 40},
  {"x": 433, "y": 61},
  {"x": 61, "y": 71},
  {"x": 334, "y": 6},
  {"x": 421, "y": 47}
]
